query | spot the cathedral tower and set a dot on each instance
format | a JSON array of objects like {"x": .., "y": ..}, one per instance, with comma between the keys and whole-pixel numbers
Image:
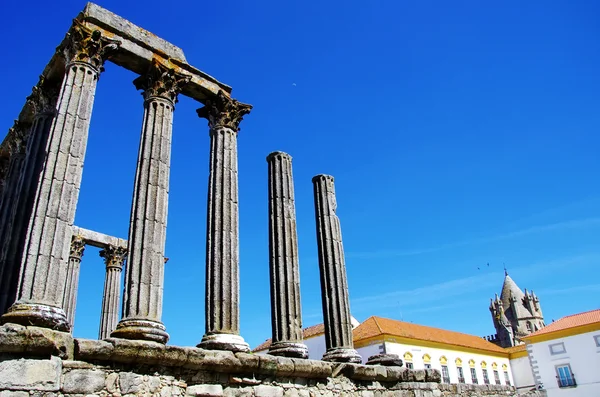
[{"x": 515, "y": 313}]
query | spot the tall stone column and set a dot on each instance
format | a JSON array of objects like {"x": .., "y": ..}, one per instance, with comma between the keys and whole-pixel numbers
[
  {"x": 8, "y": 202},
  {"x": 222, "y": 242},
  {"x": 334, "y": 285},
  {"x": 144, "y": 276},
  {"x": 47, "y": 244},
  {"x": 72, "y": 282},
  {"x": 286, "y": 316},
  {"x": 42, "y": 103},
  {"x": 114, "y": 258}
]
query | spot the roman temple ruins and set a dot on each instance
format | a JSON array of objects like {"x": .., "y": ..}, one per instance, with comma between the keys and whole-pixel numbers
[{"x": 42, "y": 251}]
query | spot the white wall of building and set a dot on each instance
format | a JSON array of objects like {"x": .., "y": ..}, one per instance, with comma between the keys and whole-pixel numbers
[
  {"x": 522, "y": 374},
  {"x": 451, "y": 355},
  {"x": 316, "y": 347},
  {"x": 581, "y": 354}
]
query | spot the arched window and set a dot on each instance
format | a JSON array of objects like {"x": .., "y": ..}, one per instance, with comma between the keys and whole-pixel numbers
[
  {"x": 427, "y": 360},
  {"x": 408, "y": 360}
]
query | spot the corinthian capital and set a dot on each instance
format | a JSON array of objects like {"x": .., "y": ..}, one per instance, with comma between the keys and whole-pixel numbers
[
  {"x": 87, "y": 45},
  {"x": 223, "y": 111},
  {"x": 77, "y": 247},
  {"x": 161, "y": 81},
  {"x": 114, "y": 256}
]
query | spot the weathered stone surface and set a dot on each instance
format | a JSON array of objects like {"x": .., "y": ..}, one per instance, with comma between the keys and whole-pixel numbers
[
  {"x": 283, "y": 260},
  {"x": 83, "y": 381},
  {"x": 144, "y": 275},
  {"x": 26, "y": 374},
  {"x": 334, "y": 284},
  {"x": 35, "y": 341},
  {"x": 222, "y": 230},
  {"x": 268, "y": 391},
  {"x": 205, "y": 390},
  {"x": 390, "y": 360},
  {"x": 114, "y": 258},
  {"x": 130, "y": 382}
]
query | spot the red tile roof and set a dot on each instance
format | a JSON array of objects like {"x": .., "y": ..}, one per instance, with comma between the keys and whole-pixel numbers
[
  {"x": 307, "y": 333},
  {"x": 376, "y": 326},
  {"x": 572, "y": 321}
]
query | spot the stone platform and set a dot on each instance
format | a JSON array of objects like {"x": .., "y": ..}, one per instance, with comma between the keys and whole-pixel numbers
[{"x": 50, "y": 363}]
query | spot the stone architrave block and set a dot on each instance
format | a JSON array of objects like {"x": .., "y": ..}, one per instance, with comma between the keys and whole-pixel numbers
[
  {"x": 25, "y": 374},
  {"x": 83, "y": 381}
]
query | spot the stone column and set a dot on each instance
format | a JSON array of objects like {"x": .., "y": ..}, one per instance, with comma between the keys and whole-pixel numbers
[
  {"x": 42, "y": 104},
  {"x": 144, "y": 276},
  {"x": 72, "y": 282},
  {"x": 286, "y": 316},
  {"x": 222, "y": 245},
  {"x": 49, "y": 229},
  {"x": 8, "y": 203},
  {"x": 334, "y": 285},
  {"x": 114, "y": 258}
]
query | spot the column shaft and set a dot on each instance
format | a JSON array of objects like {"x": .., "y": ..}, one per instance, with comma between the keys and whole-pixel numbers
[
  {"x": 49, "y": 229},
  {"x": 114, "y": 258},
  {"x": 222, "y": 241},
  {"x": 144, "y": 276},
  {"x": 9, "y": 201},
  {"x": 16, "y": 227},
  {"x": 286, "y": 316},
  {"x": 72, "y": 281},
  {"x": 334, "y": 284}
]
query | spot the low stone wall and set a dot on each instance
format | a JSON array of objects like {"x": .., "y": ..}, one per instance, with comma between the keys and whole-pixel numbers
[{"x": 39, "y": 362}]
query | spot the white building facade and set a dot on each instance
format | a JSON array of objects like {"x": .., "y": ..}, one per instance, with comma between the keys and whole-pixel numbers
[{"x": 565, "y": 356}]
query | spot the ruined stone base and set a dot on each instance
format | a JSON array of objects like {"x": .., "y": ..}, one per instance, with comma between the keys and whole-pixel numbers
[
  {"x": 34, "y": 361},
  {"x": 141, "y": 330},
  {"x": 342, "y": 355},
  {"x": 35, "y": 314},
  {"x": 289, "y": 349},
  {"x": 389, "y": 360},
  {"x": 229, "y": 342}
]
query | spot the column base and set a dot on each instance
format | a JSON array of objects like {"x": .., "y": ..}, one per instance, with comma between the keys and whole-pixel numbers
[
  {"x": 231, "y": 342},
  {"x": 342, "y": 355},
  {"x": 38, "y": 315},
  {"x": 139, "y": 329},
  {"x": 289, "y": 349}
]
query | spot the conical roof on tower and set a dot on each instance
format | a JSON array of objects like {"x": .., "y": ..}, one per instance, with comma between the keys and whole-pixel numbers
[{"x": 510, "y": 290}]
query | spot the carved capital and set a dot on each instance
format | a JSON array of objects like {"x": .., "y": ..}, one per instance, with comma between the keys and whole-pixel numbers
[
  {"x": 77, "y": 247},
  {"x": 89, "y": 46},
  {"x": 162, "y": 82},
  {"x": 114, "y": 257},
  {"x": 223, "y": 111}
]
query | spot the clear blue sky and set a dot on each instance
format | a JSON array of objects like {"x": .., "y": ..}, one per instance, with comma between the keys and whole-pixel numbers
[{"x": 459, "y": 133}]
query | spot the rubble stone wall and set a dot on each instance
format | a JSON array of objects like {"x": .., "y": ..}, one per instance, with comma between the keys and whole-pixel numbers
[{"x": 42, "y": 363}]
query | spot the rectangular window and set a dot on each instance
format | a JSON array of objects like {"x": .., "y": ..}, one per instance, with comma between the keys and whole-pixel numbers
[
  {"x": 409, "y": 365},
  {"x": 486, "y": 378},
  {"x": 474, "y": 376},
  {"x": 496, "y": 377},
  {"x": 557, "y": 348},
  {"x": 445, "y": 374},
  {"x": 506, "y": 378},
  {"x": 461, "y": 375},
  {"x": 597, "y": 339},
  {"x": 564, "y": 376}
]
